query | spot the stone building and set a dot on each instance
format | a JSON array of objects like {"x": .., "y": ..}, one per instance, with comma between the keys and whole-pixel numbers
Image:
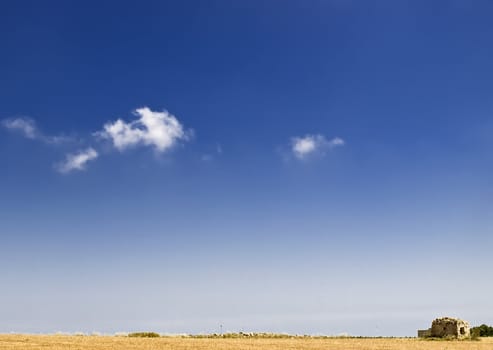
[{"x": 447, "y": 327}]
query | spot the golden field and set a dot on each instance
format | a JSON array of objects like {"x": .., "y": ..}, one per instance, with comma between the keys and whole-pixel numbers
[{"x": 56, "y": 342}]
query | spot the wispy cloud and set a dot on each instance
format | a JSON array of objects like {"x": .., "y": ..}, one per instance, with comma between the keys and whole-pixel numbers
[
  {"x": 207, "y": 157},
  {"x": 27, "y": 127},
  {"x": 308, "y": 145},
  {"x": 77, "y": 161},
  {"x": 160, "y": 130}
]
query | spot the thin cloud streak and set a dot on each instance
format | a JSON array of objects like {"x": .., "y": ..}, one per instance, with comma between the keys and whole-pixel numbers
[
  {"x": 27, "y": 127},
  {"x": 77, "y": 161}
]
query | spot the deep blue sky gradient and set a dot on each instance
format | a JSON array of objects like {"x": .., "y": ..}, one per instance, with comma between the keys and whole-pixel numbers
[{"x": 252, "y": 239}]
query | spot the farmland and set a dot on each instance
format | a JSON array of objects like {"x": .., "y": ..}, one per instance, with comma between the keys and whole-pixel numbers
[{"x": 72, "y": 342}]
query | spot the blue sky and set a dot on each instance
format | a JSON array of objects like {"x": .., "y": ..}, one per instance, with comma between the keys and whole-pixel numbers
[{"x": 285, "y": 166}]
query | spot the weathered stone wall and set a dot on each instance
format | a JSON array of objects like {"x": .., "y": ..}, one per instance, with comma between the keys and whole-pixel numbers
[
  {"x": 449, "y": 327},
  {"x": 423, "y": 333}
]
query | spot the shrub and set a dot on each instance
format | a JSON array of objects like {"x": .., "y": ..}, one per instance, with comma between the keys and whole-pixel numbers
[
  {"x": 144, "y": 335},
  {"x": 475, "y": 334}
]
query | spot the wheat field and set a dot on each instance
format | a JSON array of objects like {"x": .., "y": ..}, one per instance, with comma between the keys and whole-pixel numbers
[{"x": 58, "y": 342}]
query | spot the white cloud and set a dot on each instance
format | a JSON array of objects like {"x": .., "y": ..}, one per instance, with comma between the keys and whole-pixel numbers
[
  {"x": 303, "y": 147},
  {"x": 336, "y": 141},
  {"x": 28, "y": 128},
  {"x": 24, "y": 125},
  {"x": 160, "y": 130},
  {"x": 77, "y": 161}
]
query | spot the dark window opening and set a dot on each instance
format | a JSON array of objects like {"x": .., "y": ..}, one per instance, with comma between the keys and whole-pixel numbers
[{"x": 462, "y": 330}]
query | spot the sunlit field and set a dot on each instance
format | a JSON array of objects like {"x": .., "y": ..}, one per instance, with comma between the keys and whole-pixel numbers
[{"x": 55, "y": 342}]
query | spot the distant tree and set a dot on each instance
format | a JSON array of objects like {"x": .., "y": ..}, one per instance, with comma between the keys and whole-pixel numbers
[{"x": 482, "y": 331}]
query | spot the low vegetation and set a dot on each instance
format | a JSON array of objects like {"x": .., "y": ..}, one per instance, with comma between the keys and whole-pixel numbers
[
  {"x": 450, "y": 338},
  {"x": 144, "y": 335},
  {"x": 482, "y": 331}
]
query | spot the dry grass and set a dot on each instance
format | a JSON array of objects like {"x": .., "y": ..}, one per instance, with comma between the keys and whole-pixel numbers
[{"x": 57, "y": 342}]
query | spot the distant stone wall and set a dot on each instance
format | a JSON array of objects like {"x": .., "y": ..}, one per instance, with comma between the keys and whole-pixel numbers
[{"x": 423, "y": 333}]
